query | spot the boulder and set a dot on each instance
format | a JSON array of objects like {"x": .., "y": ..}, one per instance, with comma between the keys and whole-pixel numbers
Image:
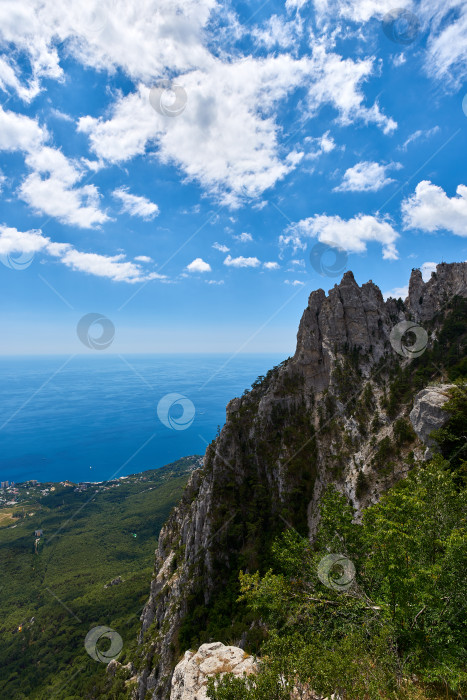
[
  {"x": 428, "y": 413},
  {"x": 190, "y": 678}
]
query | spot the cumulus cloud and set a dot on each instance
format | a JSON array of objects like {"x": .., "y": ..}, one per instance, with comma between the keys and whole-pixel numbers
[
  {"x": 135, "y": 205},
  {"x": 230, "y": 115},
  {"x": 321, "y": 144},
  {"x": 221, "y": 247},
  {"x": 143, "y": 40},
  {"x": 277, "y": 32},
  {"x": 20, "y": 133},
  {"x": 271, "y": 265},
  {"x": 241, "y": 262},
  {"x": 244, "y": 237},
  {"x": 430, "y": 209},
  {"x": 426, "y": 269},
  {"x": 143, "y": 258},
  {"x": 198, "y": 265},
  {"x": 397, "y": 293},
  {"x": 366, "y": 176},
  {"x": 51, "y": 189},
  {"x": 113, "y": 267},
  {"x": 351, "y": 235}
]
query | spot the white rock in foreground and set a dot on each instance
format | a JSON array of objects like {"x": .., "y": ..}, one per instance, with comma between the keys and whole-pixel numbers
[
  {"x": 191, "y": 675},
  {"x": 427, "y": 413}
]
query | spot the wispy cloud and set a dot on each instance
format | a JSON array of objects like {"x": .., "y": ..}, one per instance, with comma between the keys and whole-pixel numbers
[{"x": 136, "y": 205}]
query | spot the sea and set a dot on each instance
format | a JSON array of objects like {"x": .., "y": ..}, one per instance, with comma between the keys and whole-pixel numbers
[{"x": 98, "y": 417}]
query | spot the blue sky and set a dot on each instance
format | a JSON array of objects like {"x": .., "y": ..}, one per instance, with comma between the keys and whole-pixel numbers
[{"x": 171, "y": 164}]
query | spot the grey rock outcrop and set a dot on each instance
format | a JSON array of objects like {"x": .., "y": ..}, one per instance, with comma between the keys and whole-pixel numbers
[
  {"x": 190, "y": 678},
  {"x": 427, "y": 413},
  {"x": 316, "y": 419},
  {"x": 428, "y": 298}
]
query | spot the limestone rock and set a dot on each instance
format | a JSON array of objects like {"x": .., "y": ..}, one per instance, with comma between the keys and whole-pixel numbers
[
  {"x": 190, "y": 678},
  {"x": 427, "y": 413}
]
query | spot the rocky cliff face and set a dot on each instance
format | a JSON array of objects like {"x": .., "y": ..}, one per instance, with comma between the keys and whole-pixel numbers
[{"x": 326, "y": 415}]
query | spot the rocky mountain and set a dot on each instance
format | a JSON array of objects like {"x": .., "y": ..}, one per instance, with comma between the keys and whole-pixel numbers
[{"x": 336, "y": 412}]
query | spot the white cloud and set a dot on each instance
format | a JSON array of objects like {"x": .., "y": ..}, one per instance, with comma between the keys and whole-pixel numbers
[
  {"x": 399, "y": 59},
  {"x": 351, "y": 235},
  {"x": 337, "y": 81},
  {"x": 444, "y": 23},
  {"x": 241, "y": 262},
  {"x": 430, "y": 209},
  {"x": 446, "y": 57},
  {"x": 217, "y": 282},
  {"x": 112, "y": 267},
  {"x": 147, "y": 39},
  {"x": 366, "y": 176},
  {"x": 426, "y": 269},
  {"x": 244, "y": 237},
  {"x": 19, "y": 133},
  {"x": 322, "y": 144},
  {"x": 227, "y": 138},
  {"x": 294, "y": 283},
  {"x": 277, "y": 32},
  {"x": 50, "y": 189},
  {"x": 9, "y": 79},
  {"x": 135, "y": 205},
  {"x": 271, "y": 265},
  {"x": 221, "y": 247},
  {"x": 397, "y": 292},
  {"x": 198, "y": 265},
  {"x": 419, "y": 134},
  {"x": 2, "y": 180},
  {"x": 143, "y": 258}
]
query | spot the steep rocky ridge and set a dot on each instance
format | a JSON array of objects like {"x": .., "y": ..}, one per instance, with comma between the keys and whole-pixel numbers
[{"x": 335, "y": 412}]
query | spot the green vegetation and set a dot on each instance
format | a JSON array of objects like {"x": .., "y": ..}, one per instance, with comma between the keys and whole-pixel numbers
[
  {"x": 393, "y": 623},
  {"x": 49, "y": 600}
]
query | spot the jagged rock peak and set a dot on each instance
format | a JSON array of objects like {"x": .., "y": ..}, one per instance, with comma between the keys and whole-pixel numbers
[{"x": 427, "y": 298}]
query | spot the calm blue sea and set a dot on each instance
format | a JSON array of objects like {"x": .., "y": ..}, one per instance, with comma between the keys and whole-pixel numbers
[{"x": 93, "y": 417}]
